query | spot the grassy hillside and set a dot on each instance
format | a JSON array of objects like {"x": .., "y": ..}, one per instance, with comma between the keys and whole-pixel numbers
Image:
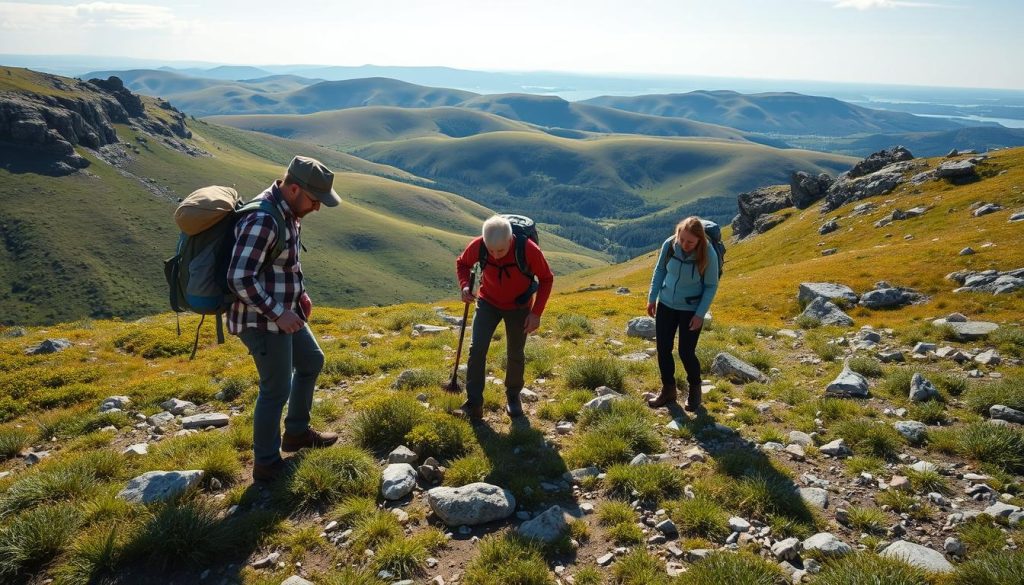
[
  {"x": 763, "y": 272},
  {"x": 604, "y": 177},
  {"x": 381, "y": 387},
  {"x": 775, "y": 113},
  {"x": 345, "y": 129},
  {"x": 92, "y": 244}
]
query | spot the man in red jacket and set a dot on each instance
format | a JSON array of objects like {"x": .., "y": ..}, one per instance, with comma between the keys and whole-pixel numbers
[{"x": 501, "y": 282}]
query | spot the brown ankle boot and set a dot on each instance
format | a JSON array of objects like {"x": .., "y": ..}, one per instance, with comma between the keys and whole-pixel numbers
[
  {"x": 693, "y": 397},
  {"x": 668, "y": 394}
]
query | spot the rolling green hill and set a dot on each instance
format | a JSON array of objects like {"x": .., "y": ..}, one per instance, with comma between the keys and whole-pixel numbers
[
  {"x": 282, "y": 94},
  {"x": 555, "y": 112},
  {"x": 344, "y": 129},
  {"x": 776, "y": 113},
  {"x": 606, "y": 177}
]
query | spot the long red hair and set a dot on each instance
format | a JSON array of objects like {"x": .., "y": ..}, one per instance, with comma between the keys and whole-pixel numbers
[{"x": 694, "y": 226}]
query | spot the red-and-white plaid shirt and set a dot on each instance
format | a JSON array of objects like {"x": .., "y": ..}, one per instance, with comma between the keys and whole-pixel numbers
[{"x": 264, "y": 294}]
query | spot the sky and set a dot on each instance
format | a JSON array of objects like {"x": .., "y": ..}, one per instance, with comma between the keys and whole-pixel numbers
[{"x": 959, "y": 43}]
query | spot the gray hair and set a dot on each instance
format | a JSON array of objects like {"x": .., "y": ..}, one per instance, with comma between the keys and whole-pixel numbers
[{"x": 497, "y": 231}]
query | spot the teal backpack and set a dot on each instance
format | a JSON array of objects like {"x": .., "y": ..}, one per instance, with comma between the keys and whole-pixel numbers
[{"x": 197, "y": 273}]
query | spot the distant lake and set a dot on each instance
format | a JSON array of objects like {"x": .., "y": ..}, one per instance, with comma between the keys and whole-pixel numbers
[{"x": 1008, "y": 122}]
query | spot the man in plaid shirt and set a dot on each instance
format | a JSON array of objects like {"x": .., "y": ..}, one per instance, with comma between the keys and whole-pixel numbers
[{"x": 271, "y": 310}]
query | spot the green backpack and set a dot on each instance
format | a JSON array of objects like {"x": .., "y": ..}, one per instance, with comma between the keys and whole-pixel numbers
[{"x": 197, "y": 273}]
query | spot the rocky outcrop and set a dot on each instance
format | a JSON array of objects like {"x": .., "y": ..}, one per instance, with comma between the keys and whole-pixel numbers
[
  {"x": 879, "y": 160},
  {"x": 66, "y": 113},
  {"x": 990, "y": 281},
  {"x": 756, "y": 210},
  {"x": 804, "y": 189}
]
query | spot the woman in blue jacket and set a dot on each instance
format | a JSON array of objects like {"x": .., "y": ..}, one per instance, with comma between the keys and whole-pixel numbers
[{"x": 684, "y": 284}]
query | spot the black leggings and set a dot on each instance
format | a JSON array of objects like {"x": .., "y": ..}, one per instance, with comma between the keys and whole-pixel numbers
[{"x": 667, "y": 322}]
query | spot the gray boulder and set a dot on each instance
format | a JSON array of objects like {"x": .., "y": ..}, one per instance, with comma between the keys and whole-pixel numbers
[
  {"x": 815, "y": 496},
  {"x": 828, "y": 227},
  {"x": 987, "y": 209},
  {"x": 159, "y": 486},
  {"x": 884, "y": 298},
  {"x": 912, "y": 430},
  {"x": 959, "y": 169},
  {"x": 836, "y": 448},
  {"x": 879, "y": 160},
  {"x": 757, "y": 208},
  {"x": 642, "y": 327},
  {"x": 115, "y": 403},
  {"x": 397, "y": 481},
  {"x": 731, "y": 367},
  {"x": 296, "y": 580},
  {"x": 402, "y": 454},
  {"x": 787, "y": 550},
  {"x": 921, "y": 389},
  {"x": 469, "y": 505},
  {"x": 848, "y": 384},
  {"x": 602, "y": 403},
  {"x": 827, "y": 313},
  {"x": 548, "y": 527},
  {"x": 177, "y": 407},
  {"x": 1001, "y": 412},
  {"x": 49, "y": 346},
  {"x": 919, "y": 556},
  {"x": 826, "y": 290},
  {"x": 827, "y": 544}
]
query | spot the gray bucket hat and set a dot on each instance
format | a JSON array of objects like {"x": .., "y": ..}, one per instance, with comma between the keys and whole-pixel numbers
[{"x": 313, "y": 176}]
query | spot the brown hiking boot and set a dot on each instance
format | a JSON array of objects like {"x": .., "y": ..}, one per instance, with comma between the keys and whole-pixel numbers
[
  {"x": 668, "y": 394},
  {"x": 473, "y": 414},
  {"x": 515, "y": 405},
  {"x": 268, "y": 472},
  {"x": 693, "y": 397},
  {"x": 311, "y": 438}
]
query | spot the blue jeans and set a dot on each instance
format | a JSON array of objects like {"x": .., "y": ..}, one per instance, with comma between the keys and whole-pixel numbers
[{"x": 288, "y": 365}]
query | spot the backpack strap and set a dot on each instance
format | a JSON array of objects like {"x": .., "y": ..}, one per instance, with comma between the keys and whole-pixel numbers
[{"x": 268, "y": 207}]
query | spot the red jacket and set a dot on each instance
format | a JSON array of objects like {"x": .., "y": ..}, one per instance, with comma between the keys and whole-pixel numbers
[{"x": 501, "y": 288}]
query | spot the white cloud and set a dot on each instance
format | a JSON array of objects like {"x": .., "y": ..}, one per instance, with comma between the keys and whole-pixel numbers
[
  {"x": 871, "y": 4},
  {"x": 28, "y": 16}
]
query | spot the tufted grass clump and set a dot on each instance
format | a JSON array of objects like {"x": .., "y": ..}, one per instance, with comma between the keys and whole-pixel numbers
[
  {"x": 727, "y": 567},
  {"x": 404, "y": 316},
  {"x": 981, "y": 535},
  {"x": 352, "y": 576},
  {"x": 33, "y": 538},
  {"x": 12, "y": 441},
  {"x": 55, "y": 484},
  {"x": 639, "y": 567},
  {"x": 869, "y": 520},
  {"x": 927, "y": 481},
  {"x": 625, "y": 534},
  {"x": 506, "y": 558},
  {"x": 592, "y": 372},
  {"x": 566, "y": 407},
  {"x": 863, "y": 567},
  {"x": 615, "y": 436},
  {"x": 573, "y": 326},
  {"x": 701, "y": 517},
  {"x": 1008, "y": 391},
  {"x": 997, "y": 445},
  {"x": 615, "y": 512},
  {"x": 469, "y": 469},
  {"x": 440, "y": 436},
  {"x": 651, "y": 482},
  {"x": 375, "y": 528},
  {"x": 867, "y": 437},
  {"x": 866, "y": 366},
  {"x": 402, "y": 557},
  {"x": 931, "y": 412},
  {"x": 991, "y": 569},
  {"x": 214, "y": 453},
  {"x": 331, "y": 475},
  {"x": 384, "y": 423}
]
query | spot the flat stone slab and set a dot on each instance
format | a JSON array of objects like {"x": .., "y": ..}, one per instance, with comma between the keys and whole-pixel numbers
[
  {"x": 159, "y": 486},
  {"x": 201, "y": 421},
  {"x": 735, "y": 369},
  {"x": 472, "y": 504},
  {"x": 968, "y": 330},
  {"x": 828, "y": 544},
  {"x": 919, "y": 556}
]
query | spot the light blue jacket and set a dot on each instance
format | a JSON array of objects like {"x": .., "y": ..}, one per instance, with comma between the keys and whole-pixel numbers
[{"x": 677, "y": 283}]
